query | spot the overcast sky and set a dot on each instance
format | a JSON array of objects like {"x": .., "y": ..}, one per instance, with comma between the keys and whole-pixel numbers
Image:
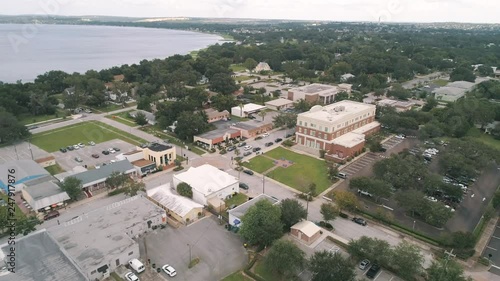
[{"x": 477, "y": 11}]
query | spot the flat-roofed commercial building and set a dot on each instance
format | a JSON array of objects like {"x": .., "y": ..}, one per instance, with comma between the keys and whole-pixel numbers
[
  {"x": 318, "y": 93},
  {"x": 279, "y": 104},
  {"x": 339, "y": 128}
]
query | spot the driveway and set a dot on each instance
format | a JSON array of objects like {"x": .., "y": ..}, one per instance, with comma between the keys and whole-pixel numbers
[
  {"x": 220, "y": 251},
  {"x": 67, "y": 160}
]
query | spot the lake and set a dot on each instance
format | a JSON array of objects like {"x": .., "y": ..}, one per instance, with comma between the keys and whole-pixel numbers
[{"x": 27, "y": 51}]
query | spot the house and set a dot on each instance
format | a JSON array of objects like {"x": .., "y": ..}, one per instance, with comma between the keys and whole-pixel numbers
[
  {"x": 38, "y": 257},
  {"x": 236, "y": 214},
  {"x": 69, "y": 91},
  {"x": 161, "y": 154},
  {"x": 262, "y": 66},
  {"x": 339, "y": 128},
  {"x": 101, "y": 240},
  {"x": 400, "y": 106},
  {"x": 346, "y": 77},
  {"x": 149, "y": 116},
  {"x": 214, "y": 115},
  {"x": 26, "y": 171},
  {"x": 318, "y": 93},
  {"x": 144, "y": 166},
  {"x": 207, "y": 183},
  {"x": 252, "y": 128},
  {"x": 216, "y": 137},
  {"x": 246, "y": 109},
  {"x": 203, "y": 80},
  {"x": 305, "y": 231},
  {"x": 453, "y": 91},
  {"x": 279, "y": 104},
  {"x": 93, "y": 180},
  {"x": 179, "y": 207},
  {"x": 44, "y": 196}
]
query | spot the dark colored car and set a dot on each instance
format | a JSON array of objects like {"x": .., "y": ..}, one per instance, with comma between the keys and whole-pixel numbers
[
  {"x": 268, "y": 144},
  {"x": 63, "y": 150},
  {"x": 373, "y": 271},
  {"x": 51, "y": 215},
  {"x": 278, "y": 140},
  {"x": 251, "y": 117},
  {"x": 231, "y": 148},
  {"x": 255, "y": 149},
  {"x": 248, "y": 172},
  {"x": 383, "y": 149},
  {"x": 247, "y": 153},
  {"x": 359, "y": 221},
  {"x": 289, "y": 135},
  {"x": 116, "y": 149},
  {"x": 105, "y": 152},
  {"x": 244, "y": 186},
  {"x": 238, "y": 158},
  {"x": 241, "y": 144},
  {"x": 70, "y": 148},
  {"x": 95, "y": 155}
]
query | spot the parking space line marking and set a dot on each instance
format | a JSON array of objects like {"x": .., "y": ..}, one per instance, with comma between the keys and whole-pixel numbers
[
  {"x": 495, "y": 237},
  {"x": 377, "y": 275},
  {"x": 497, "y": 267},
  {"x": 491, "y": 248}
]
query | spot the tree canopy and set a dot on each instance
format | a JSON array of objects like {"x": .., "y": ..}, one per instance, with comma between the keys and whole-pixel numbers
[{"x": 262, "y": 224}]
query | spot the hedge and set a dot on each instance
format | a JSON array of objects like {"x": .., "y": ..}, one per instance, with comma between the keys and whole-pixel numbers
[
  {"x": 251, "y": 274},
  {"x": 341, "y": 244},
  {"x": 116, "y": 191}
]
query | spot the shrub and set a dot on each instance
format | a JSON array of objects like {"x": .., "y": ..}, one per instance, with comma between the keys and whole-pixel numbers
[
  {"x": 322, "y": 153},
  {"x": 185, "y": 190},
  {"x": 223, "y": 151},
  {"x": 212, "y": 150},
  {"x": 343, "y": 215},
  {"x": 178, "y": 168},
  {"x": 305, "y": 197},
  {"x": 116, "y": 191},
  {"x": 288, "y": 143}
]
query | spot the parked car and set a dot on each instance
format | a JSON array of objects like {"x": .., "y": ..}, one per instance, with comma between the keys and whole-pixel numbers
[
  {"x": 342, "y": 175},
  {"x": 91, "y": 143},
  {"x": 244, "y": 186},
  {"x": 130, "y": 276},
  {"x": 268, "y": 144},
  {"x": 70, "y": 148},
  {"x": 248, "y": 172},
  {"x": 111, "y": 150},
  {"x": 51, "y": 215},
  {"x": 359, "y": 221},
  {"x": 95, "y": 155},
  {"x": 430, "y": 198},
  {"x": 81, "y": 145},
  {"x": 231, "y": 148},
  {"x": 364, "y": 264},
  {"x": 116, "y": 149},
  {"x": 105, "y": 152},
  {"x": 255, "y": 149},
  {"x": 288, "y": 135},
  {"x": 265, "y": 135},
  {"x": 78, "y": 159},
  {"x": 238, "y": 158},
  {"x": 278, "y": 140},
  {"x": 63, "y": 150},
  {"x": 373, "y": 271},
  {"x": 401, "y": 136},
  {"x": 241, "y": 144},
  {"x": 258, "y": 138},
  {"x": 247, "y": 153},
  {"x": 247, "y": 147},
  {"x": 169, "y": 270},
  {"x": 76, "y": 146}
]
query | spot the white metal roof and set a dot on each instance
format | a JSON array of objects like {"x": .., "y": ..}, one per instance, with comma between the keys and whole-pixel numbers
[
  {"x": 306, "y": 227},
  {"x": 176, "y": 203},
  {"x": 206, "y": 179},
  {"x": 278, "y": 102}
]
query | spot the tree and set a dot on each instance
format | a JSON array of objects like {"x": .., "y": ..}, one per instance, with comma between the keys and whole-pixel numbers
[
  {"x": 132, "y": 187},
  {"x": 285, "y": 258},
  {"x": 329, "y": 211},
  {"x": 333, "y": 171},
  {"x": 375, "y": 187},
  {"x": 250, "y": 64},
  {"x": 144, "y": 103},
  {"x": 341, "y": 96},
  {"x": 485, "y": 70},
  {"x": 376, "y": 250},
  {"x": 72, "y": 186},
  {"x": 262, "y": 224},
  {"x": 189, "y": 125},
  {"x": 345, "y": 200},
  {"x": 222, "y": 102},
  {"x": 262, "y": 114},
  {"x": 115, "y": 180},
  {"x": 496, "y": 200},
  {"x": 292, "y": 212},
  {"x": 328, "y": 266},
  {"x": 462, "y": 240},
  {"x": 11, "y": 130},
  {"x": 407, "y": 260},
  {"x": 25, "y": 225},
  {"x": 430, "y": 104},
  {"x": 446, "y": 270},
  {"x": 462, "y": 74},
  {"x": 185, "y": 190},
  {"x": 223, "y": 83},
  {"x": 140, "y": 119}
]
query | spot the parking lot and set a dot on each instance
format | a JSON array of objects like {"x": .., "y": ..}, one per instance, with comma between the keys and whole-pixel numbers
[
  {"x": 67, "y": 160},
  {"x": 356, "y": 166},
  {"x": 383, "y": 275},
  {"x": 221, "y": 252},
  {"x": 21, "y": 151},
  {"x": 492, "y": 251}
]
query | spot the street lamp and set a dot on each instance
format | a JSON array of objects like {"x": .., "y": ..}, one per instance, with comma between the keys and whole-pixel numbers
[
  {"x": 307, "y": 203},
  {"x": 414, "y": 225},
  {"x": 263, "y": 184},
  {"x": 189, "y": 245}
]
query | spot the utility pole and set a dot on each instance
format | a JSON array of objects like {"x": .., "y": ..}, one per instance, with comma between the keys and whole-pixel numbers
[
  {"x": 189, "y": 245},
  {"x": 307, "y": 204},
  {"x": 31, "y": 151},
  {"x": 263, "y": 184},
  {"x": 15, "y": 148}
]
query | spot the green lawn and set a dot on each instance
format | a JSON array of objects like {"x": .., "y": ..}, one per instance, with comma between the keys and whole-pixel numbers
[
  {"x": 237, "y": 68},
  {"x": 484, "y": 138},
  {"x": 305, "y": 170},
  {"x": 123, "y": 118},
  {"x": 98, "y": 132},
  {"x": 237, "y": 276},
  {"x": 440, "y": 82},
  {"x": 237, "y": 200},
  {"x": 244, "y": 77},
  {"x": 54, "y": 169},
  {"x": 19, "y": 213},
  {"x": 262, "y": 270},
  {"x": 112, "y": 107},
  {"x": 27, "y": 119},
  {"x": 158, "y": 133},
  {"x": 259, "y": 164}
]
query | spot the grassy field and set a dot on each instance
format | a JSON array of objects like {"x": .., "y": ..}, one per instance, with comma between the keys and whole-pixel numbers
[
  {"x": 484, "y": 138},
  {"x": 158, "y": 133},
  {"x": 262, "y": 270},
  {"x": 259, "y": 164},
  {"x": 237, "y": 200},
  {"x": 55, "y": 169},
  {"x": 304, "y": 171},
  {"x": 237, "y": 276},
  {"x": 243, "y": 78},
  {"x": 237, "y": 68},
  {"x": 112, "y": 107},
  {"x": 98, "y": 132},
  {"x": 19, "y": 213},
  {"x": 123, "y": 118},
  {"x": 441, "y": 82},
  {"x": 27, "y": 119}
]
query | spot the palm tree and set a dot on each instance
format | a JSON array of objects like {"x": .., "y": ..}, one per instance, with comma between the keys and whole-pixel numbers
[{"x": 262, "y": 114}]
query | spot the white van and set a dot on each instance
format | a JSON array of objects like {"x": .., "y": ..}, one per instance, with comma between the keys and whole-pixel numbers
[
  {"x": 342, "y": 175},
  {"x": 136, "y": 265}
]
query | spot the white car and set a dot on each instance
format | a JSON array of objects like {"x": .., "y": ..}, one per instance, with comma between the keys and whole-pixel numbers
[
  {"x": 265, "y": 135},
  {"x": 402, "y": 137},
  {"x": 111, "y": 150},
  {"x": 169, "y": 270},
  {"x": 451, "y": 209},
  {"x": 247, "y": 147},
  {"x": 76, "y": 146},
  {"x": 91, "y": 143},
  {"x": 130, "y": 276},
  {"x": 81, "y": 145},
  {"x": 430, "y": 198}
]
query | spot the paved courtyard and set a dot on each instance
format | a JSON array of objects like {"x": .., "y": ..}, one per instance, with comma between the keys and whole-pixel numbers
[
  {"x": 67, "y": 160},
  {"x": 220, "y": 251},
  {"x": 20, "y": 151}
]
